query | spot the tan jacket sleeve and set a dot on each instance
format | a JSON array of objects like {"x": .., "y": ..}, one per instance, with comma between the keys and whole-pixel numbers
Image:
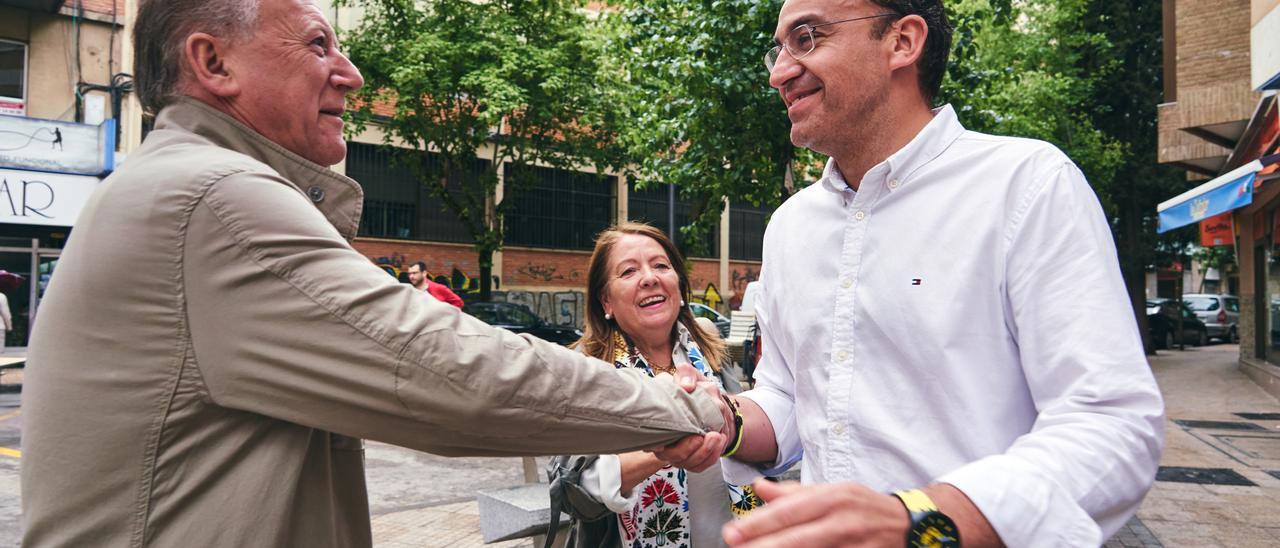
[{"x": 287, "y": 320}]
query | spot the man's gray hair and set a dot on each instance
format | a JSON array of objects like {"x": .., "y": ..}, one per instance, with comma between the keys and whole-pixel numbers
[{"x": 160, "y": 33}]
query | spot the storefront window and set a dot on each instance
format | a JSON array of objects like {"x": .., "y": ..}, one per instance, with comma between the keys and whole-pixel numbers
[{"x": 1270, "y": 331}]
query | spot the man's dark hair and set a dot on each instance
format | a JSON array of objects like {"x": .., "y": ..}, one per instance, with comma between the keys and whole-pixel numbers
[
  {"x": 160, "y": 32},
  {"x": 937, "y": 48},
  {"x": 422, "y": 265}
]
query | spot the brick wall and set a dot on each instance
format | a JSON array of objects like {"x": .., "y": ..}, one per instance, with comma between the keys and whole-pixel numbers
[
  {"x": 740, "y": 274},
  {"x": 532, "y": 268},
  {"x": 1213, "y": 71},
  {"x": 1213, "y": 42},
  {"x": 553, "y": 283},
  {"x": 100, "y": 6},
  {"x": 442, "y": 259}
]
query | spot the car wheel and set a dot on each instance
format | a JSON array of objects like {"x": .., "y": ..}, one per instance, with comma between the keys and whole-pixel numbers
[{"x": 1202, "y": 339}]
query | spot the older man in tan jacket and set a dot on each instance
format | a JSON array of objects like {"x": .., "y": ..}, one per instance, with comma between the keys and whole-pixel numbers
[{"x": 212, "y": 349}]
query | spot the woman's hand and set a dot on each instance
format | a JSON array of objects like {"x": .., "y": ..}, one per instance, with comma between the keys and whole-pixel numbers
[{"x": 636, "y": 467}]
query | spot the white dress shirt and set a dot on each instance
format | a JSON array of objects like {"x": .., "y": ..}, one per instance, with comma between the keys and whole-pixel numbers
[{"x": 961, "y": 319}]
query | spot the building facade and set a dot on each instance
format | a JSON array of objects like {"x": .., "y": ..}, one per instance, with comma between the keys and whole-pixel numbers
[
  {"x": 62, "y": 81},
  {"x": 1219, "y": 122}
]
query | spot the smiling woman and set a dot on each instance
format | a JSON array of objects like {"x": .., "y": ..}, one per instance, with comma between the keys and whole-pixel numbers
[{"x": 637, "y": 317}]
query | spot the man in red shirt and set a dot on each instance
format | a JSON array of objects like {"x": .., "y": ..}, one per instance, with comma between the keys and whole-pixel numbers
[{"x": 418, "y": 277}]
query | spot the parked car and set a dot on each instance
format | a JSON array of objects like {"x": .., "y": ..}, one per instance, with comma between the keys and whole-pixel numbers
[
  {"x": 1220, "y": 314},
  {"x": 1163, "y": 324},
  {"x": 1153, "y": 305},
  {"x": 519, "y": 319},
  {"x": 700, "y": 310}
]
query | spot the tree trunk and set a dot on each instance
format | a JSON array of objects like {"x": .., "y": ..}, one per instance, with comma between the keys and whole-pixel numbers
[
  {"x": 1134, "y": 270},
  {"x": 486, "y": 273}
]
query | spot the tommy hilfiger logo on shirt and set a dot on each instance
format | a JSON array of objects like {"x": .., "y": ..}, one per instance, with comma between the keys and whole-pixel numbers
[{"x": 916, "y": 281}]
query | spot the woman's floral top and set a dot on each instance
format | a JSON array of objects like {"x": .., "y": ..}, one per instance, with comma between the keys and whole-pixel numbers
[{"x": 660, "y": 516}]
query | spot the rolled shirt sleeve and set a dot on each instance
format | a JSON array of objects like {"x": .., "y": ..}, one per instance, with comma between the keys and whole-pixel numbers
[
  {"x": 775, "y": 394},
  {"x": 603, "y": 480}
]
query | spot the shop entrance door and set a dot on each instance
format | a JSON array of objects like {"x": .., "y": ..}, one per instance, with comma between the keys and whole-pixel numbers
[
  {"x": 15, "y": 284},
  {"x": 26, "y": 273}
]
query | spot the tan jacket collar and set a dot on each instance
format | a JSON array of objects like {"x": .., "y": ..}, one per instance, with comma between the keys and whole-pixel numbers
[{"x": 338, "y": 197}]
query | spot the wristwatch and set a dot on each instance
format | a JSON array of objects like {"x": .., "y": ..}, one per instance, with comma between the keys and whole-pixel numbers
[{"x": 930, "y": 528}]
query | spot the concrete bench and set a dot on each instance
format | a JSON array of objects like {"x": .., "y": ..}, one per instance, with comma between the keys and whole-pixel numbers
[{"x": 516, "y": 512}]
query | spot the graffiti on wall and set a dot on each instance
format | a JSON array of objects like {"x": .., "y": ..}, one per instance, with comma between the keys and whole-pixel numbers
[
  {"x": 565, "y": 308},
  {"x": 547, "y": 272},
  {"x": 740, "y": 281},
  {"x": 397, "y": 266},
  {"x": 461, "y": 283},
  {"x": 711, "y": 297},
  {"x": 391, "y": 264}
]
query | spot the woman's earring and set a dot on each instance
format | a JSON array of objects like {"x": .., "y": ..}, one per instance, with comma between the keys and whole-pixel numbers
[
  {"x": 608, "y": 316},
  {"x": 681, "y": 302}
]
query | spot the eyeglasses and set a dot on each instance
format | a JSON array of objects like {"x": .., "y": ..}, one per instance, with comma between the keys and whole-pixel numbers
[{"x": 800, "y": 42}]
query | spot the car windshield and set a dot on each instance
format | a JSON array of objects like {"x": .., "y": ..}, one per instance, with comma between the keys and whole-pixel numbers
[{"x": 1202, "y": 304}]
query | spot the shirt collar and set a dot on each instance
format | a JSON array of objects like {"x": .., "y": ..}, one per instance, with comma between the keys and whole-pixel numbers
[
  {"x": 338, "y": 197},
  {"x": 936, "y": 136}
]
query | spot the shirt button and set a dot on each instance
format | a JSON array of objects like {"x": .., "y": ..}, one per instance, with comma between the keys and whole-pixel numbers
[
  {"x": 860, "y": 215},
  {"x": 837, "y": 429},
  {"x": 842, "y": 356},
  {"x": 316, "y": 193},
  {"x": 846, "y": 283},
  {"x": 893, "y": 183}
]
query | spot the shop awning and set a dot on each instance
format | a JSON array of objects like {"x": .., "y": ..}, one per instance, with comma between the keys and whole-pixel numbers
[{"x": 1225, "y": 193}]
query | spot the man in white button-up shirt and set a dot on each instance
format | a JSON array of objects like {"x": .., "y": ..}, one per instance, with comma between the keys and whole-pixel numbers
[{"x": 943, "y": 311}]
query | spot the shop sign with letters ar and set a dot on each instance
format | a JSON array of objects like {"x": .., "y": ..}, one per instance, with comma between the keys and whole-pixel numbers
[
  {"x": 57, "y": 147},
  {"x": 34, "y": 198}
]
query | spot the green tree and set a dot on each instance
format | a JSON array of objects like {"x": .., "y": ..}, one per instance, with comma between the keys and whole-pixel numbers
[
  {"x": 513, "y": 81},
  {"x": 1016, "y": 69},
  {"x": 1124, "y": 106},
  {"x": 694, "y": 98}
]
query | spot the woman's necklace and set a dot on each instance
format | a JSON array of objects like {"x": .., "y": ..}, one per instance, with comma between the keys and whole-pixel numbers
[{"x": 658, "y": 369}]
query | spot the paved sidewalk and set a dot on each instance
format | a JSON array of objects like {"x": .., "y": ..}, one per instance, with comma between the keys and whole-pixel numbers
[
  {"x": 1199, "y": 384},
  {"x": 1204, "y": 390}
]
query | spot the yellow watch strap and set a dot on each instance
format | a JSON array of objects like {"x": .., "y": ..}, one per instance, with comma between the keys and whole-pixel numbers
[{"x": 916, "y": 501}]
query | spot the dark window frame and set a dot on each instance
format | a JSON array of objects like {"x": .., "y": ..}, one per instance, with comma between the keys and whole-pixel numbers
[
  {"x": 556, "y": 208},
  {"x": 747, "y": 223},
  {"x": 397, "y": 205},
  {"x": 650, "y": 206}
]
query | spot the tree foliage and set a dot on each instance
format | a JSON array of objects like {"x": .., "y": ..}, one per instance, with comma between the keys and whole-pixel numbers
[
  {"x": 694, "y": 101},
  {"x": 1016, "y": 69},
  {"x": 514, "y": 81}
]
